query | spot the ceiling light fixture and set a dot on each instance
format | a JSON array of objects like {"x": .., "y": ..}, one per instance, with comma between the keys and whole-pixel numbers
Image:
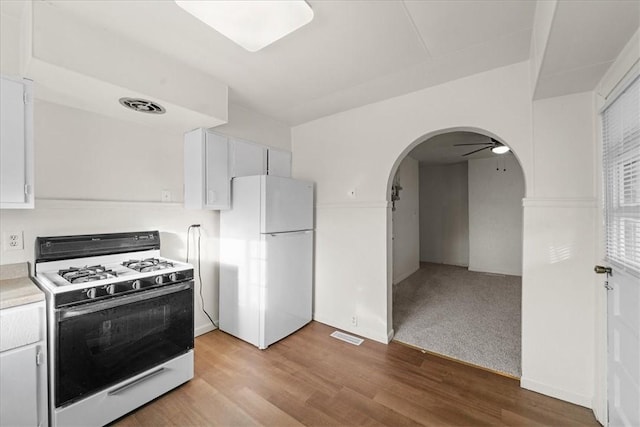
[
  {"x": 251, "y": 24},
  {"x": 500, "y": 149}
]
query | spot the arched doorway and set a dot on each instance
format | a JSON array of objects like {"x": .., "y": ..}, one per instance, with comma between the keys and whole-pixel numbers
[{"x": 464, "y": 298}]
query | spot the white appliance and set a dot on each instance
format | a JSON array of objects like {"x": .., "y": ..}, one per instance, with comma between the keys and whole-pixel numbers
[
  {"x": 266, "y": 253},
  {"x": 120, "y": 324}
]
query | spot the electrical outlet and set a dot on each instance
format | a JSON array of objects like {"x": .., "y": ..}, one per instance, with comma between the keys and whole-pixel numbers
[
  {"x": 354, "y": 320},
  {"x": 166, "y": 195},
  {"x": 13, "y": 241}
]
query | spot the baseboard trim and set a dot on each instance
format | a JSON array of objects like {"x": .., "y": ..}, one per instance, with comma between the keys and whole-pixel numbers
[
  {"x": 492, "y": 271},
  {"x": 551, "y": 391},
  {"x": 390, "y": 336},
  {"x": 404, "y": 276},
  {"x": 599, "y": 411},
  {"x": 203, "y": 329}
]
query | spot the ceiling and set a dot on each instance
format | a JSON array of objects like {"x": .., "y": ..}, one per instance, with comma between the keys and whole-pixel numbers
[
  {"x": 441, "y": 149},
  {"x": 585, "y": 39},
  {"x": 353, "y": 52}
]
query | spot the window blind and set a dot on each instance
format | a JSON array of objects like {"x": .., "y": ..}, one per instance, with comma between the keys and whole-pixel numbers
[{"x": 621, "y": 172}]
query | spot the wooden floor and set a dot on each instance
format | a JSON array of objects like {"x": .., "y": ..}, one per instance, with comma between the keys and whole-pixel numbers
[{"x": 310, "y": 378}]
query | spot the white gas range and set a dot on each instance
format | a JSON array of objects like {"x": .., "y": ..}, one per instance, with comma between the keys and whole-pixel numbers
[{"x": 119, "y": 320}]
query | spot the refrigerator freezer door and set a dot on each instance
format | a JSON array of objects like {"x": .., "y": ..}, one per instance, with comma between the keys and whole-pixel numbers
[
  {"x": 287, "y": 204},
  {"x": 286, "y": 306}
]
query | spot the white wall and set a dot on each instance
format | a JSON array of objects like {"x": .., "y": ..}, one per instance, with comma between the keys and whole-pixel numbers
[
  {"x": 495, "y": 215},
  {"x": 95, "y": 174},
  {"x": 360, "y": 149},
  {"x": 558, "y": 255},
  {"x": 558, "y": 252},
  {"x": 406, "y": 226},
  {"x": 249, "y": 125},
  {"x": 444, "y": 214}
]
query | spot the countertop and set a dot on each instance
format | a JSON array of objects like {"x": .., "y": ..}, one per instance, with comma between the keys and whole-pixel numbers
[{"x": 16, "y": 288}]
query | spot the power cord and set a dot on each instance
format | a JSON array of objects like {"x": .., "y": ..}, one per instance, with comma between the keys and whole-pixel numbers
[{"x": 197, "y": 226}]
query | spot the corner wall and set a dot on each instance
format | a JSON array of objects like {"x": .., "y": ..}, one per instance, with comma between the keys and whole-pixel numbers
[
  {"x": 406, "y": 222},
  {"x": 444, "y": 214},
  {"x": 558, "y": 315},
  {"x": 496, "y": 189}
]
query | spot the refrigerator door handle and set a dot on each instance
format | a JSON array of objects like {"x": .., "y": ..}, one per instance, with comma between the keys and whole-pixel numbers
[{"x": 291, "y": 232}]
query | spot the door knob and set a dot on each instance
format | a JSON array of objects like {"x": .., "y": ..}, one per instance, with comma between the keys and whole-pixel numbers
[{"x": 602, "y": 270}]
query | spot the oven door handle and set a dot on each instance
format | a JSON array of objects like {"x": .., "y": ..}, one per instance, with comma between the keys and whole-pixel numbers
[
  {"x": 136, "y": 382},
  {"x": 68, "y": 313}
]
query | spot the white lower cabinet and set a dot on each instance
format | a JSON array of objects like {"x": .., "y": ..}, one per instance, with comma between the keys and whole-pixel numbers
[{"x": 23, "y": 369}]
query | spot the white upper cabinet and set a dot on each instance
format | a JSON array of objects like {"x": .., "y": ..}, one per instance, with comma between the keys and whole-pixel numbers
[
  {"x": 206, "y": 171},
  {"x": 16, "y": 144},
  {"x": 247, "y": 158},
  {"x": 279, "y": 163},
  {"x": 212, "y": 160}
]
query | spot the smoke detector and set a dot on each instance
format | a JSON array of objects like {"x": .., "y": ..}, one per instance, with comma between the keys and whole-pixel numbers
[{"x": 142, "y": 105}]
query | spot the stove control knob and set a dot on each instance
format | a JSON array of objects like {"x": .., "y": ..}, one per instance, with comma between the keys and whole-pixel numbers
[
  {"x": 174, "y": 277},
  {"x": 91, "y": 293},
  {"x": 111, "y": 289},
  {"x": 136, "y": 284},
  {"x": 159, "y": 280}
]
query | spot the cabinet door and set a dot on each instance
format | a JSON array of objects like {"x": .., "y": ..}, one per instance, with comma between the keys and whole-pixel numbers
[
  {"x": 15, "y": 144},
  {"x": 218, "y": 181},
  {"x": 206, "y": 170},
  {"x": 279, "y": 163},
  {"x": 19, "y": 387},
  {"x": 247, "y": 158}
]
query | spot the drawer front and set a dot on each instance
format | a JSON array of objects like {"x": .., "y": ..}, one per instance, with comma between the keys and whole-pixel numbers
[{"x": 21, "y": 325}]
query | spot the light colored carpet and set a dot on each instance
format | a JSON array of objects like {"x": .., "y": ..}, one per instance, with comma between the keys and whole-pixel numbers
[{"x": 473, "y": 317}]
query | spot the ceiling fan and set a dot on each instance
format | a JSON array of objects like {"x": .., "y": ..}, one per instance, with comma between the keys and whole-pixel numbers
[{"x": 496, "y": 147}]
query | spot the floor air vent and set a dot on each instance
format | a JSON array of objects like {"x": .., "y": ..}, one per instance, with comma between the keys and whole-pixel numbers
[{"x": 347, "y": 338}]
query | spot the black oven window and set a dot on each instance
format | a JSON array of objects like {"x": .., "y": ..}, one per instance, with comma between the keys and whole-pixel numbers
[{"x": 99, "y": 349}]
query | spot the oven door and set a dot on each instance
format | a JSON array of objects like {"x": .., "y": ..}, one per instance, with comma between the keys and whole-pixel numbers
[{"x": 100, "y": 344}]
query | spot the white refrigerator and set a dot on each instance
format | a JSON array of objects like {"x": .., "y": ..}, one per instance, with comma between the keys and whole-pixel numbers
[{"x": 266, "y": 258}]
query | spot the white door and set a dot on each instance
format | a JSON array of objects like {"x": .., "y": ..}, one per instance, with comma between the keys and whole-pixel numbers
[
  {"x": 623, "y": 334},
  {"x": 621, "y": 170},
  {"x": 18, "y": 388}
]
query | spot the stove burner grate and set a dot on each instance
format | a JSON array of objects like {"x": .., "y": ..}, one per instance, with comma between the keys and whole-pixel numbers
[
  {"x": 86, "y": 274},
  {"x": 148, "y": 264}
]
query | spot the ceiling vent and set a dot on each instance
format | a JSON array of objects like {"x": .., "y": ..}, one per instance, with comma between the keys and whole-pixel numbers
[{"x": 142, "y": 105}]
